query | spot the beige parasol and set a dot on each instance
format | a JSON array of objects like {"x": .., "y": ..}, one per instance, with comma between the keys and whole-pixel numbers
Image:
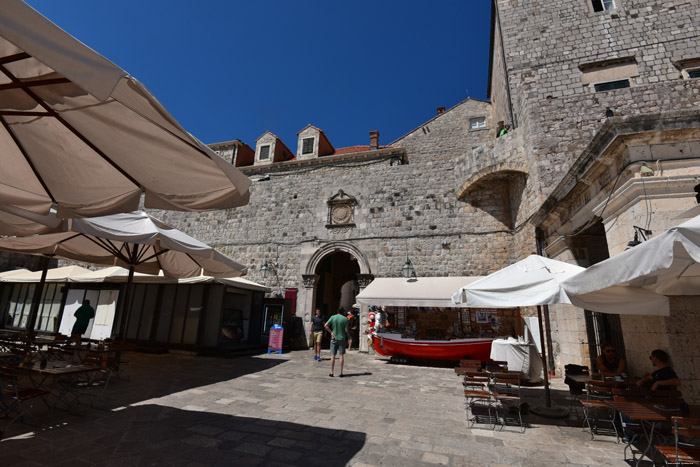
[{"x": 81, "y": 135}]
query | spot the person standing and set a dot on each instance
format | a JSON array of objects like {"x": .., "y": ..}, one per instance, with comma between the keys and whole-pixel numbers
[
  {"x": 317, "y": 326},
  {"x": 337, "y": 326},
  {"x": 83, "y": 315},
  {"x": 352, "y": 326}
]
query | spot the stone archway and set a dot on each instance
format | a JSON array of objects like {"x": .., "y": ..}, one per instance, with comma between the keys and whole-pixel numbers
[{"x": 311, "y": 276}]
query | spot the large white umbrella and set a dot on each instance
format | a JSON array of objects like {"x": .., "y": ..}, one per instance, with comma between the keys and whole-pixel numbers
[
  {"x": 666, "y": 264},
  {"x": 133, "y": 240},
  {"x": 79, "y": 134},
  {"x": 537, "y": 280}
]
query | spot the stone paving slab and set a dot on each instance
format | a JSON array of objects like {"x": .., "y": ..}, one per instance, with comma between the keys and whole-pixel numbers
[{"x": 284, "y": 410}]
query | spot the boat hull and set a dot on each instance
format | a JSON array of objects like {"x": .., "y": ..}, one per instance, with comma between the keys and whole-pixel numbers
[{"x": 457, "y": 349}]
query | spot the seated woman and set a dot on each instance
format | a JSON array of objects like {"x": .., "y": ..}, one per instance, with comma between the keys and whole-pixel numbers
[
  {"x": 663, "y": 377},
  {"x": 609, "y": 363}
]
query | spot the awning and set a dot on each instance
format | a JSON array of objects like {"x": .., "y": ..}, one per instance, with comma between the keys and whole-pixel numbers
[
  {"x": 423, "y": 291},
  {"x": 116, "y": 274}
]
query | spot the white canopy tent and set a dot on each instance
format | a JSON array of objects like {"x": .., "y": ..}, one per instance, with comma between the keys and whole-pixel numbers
[
  {"x": 423, "y": 291},
  {"x": 536, "y": 280},
  {"x": 666, "y": 264},
  {"x": 135, "y": 240}
]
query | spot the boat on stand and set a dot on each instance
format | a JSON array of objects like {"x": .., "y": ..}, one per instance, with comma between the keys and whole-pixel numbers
[{"x": 394, "y": 345}]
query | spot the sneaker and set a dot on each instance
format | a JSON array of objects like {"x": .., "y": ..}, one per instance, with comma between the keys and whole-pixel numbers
[
  {"x": 315, "y": 357},
  {"x": 331, "y": 375}
]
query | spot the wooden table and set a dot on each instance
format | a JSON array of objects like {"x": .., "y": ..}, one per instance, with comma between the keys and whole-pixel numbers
[{"x": 652, "y": 414}]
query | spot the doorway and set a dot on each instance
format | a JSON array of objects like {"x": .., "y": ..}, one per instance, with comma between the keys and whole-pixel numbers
[
  {"x": 337, "y": 285},
  {"x": 601, "y": 328}
]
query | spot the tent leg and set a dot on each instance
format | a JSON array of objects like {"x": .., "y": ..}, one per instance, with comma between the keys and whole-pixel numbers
[
  {"x": 127, "y": 305},
  {"x": 547, "y": 393},
  {"x": 38, "y": 292}
]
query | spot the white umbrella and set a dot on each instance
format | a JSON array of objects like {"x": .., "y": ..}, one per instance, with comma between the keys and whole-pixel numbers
[
  {"x": 78, "y": 133},
  {"x": 133, "y": 240},
  {"x": 536, "y": 280},
  {"x": 666, "y": 264}
]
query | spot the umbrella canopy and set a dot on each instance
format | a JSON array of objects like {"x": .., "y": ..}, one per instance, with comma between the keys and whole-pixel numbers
[
  {"x": 79, "y": 134},
  {"x": 129, "y": 240},
  {"x": 666, "y": 264},
  {"x": 536, "y": 280}
]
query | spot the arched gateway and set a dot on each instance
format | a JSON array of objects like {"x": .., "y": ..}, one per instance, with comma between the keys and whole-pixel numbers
[{"x": 335, "y": 273}]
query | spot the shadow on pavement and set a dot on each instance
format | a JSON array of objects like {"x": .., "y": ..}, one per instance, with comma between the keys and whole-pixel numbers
[{"x": 165, "y": 436}]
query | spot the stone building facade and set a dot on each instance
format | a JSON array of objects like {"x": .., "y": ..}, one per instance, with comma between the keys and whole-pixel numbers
[{"x": 593, "y": 90}]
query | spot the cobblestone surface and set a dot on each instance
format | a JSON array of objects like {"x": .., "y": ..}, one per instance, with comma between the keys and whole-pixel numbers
[{"x": 284, "y": 410}]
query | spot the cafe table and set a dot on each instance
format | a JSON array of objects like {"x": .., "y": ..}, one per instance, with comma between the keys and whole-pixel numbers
[
  {"x": 60, "y": 379},
  {"x": 651, "y": 414}
]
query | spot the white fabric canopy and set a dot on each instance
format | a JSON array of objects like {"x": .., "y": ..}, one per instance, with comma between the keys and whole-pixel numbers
[
  {"x": 116, "y": 274},
  {"x": 666, "y": 264},
  {"x": 536, "y": 280},
  {"x": 62, "y": 274},
  {"x": 130, "y": 239},
  {"x": 81, "y": 134},
  {"x": 423, "y": 291}
]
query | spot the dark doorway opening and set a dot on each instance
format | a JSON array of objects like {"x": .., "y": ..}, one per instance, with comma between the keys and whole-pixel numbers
[
  {"x": 337, "y": 284},
  {"x": 601, "y": 328}
]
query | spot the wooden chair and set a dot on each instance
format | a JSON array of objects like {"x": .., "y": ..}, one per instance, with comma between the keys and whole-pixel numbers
[
  {"x": 682, "y": 452},
  {"x": 595, "y": 410},
  {"x": 478, "y": 396},
  {"x": 506, "y": 391},
  {"x": 17, "y": 399},
  {"x": 576, "y": 390},
  {"x": 467, "y": 366}
]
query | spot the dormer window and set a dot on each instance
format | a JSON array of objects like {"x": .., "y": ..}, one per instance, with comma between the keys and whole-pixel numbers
[
  {"x": 307, "y": 146},
  {"x": 603, "y": 5},
  {"x": 265, "y": 152}
]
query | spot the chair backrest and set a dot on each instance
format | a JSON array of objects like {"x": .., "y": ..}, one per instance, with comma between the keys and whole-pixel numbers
[
  {"x": 506, "y": 383},
  {"x": 638, "y": 394},
  {"x": 572, "y": 369},
  {"x": 685, "y": 426},
  {"x": 599, "y": 390}
]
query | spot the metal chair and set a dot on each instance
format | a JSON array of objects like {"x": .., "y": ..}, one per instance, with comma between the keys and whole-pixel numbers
[
  {"x": 506, "y": 391},
  {"x": 16, "y": 399},
  {"x": 596, "y": 410}
]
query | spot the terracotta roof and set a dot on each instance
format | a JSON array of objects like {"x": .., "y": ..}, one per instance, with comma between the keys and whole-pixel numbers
[{"x": 354, "y": 149}]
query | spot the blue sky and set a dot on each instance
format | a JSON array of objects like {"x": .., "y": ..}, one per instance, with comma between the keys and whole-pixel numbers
[{"x": 234, "y": 69}]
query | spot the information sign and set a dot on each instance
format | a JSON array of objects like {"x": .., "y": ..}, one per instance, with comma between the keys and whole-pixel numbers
[{"x": 275, "y": 343}]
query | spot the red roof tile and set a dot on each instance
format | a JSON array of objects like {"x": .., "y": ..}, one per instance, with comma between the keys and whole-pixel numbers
[{"x": 353, "y": 149}]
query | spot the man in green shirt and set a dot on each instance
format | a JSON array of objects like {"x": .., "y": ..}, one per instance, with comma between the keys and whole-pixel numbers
[
  {"x": 337, "y": 326},
  {"x": 83, "y": 315}
]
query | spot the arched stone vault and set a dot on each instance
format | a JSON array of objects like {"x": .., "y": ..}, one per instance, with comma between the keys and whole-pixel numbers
[
  {"x": 332, "y": 247},
  {"x": 496, "y": 172}
]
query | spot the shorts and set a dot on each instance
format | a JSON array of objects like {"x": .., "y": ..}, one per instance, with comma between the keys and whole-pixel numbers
[
  {"x": 318, "y": 337},
  {"x": 337, "y": 346}
]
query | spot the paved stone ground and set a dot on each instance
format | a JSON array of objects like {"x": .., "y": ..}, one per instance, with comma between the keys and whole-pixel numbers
[{"x": 282, "y": 410}]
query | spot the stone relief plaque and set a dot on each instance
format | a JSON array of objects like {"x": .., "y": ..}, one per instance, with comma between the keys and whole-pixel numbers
[{"x": 341, "y": 209}]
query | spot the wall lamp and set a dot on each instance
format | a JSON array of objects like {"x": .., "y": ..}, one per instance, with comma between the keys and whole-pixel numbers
[
  {"x": 271, "y": 268},
  {"x": 408, "y": 271},
  {"x": 639, "y": 232}
]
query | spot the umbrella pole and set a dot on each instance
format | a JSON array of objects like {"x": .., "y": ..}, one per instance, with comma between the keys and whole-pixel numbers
[
  {"x": 38, "y": 291},
  {"x": 126, "y": 307},
  {"x": 547, "y": 393}
]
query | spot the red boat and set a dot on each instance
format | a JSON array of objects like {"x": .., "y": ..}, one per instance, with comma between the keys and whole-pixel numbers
[{"x": 392, "y": 344}]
